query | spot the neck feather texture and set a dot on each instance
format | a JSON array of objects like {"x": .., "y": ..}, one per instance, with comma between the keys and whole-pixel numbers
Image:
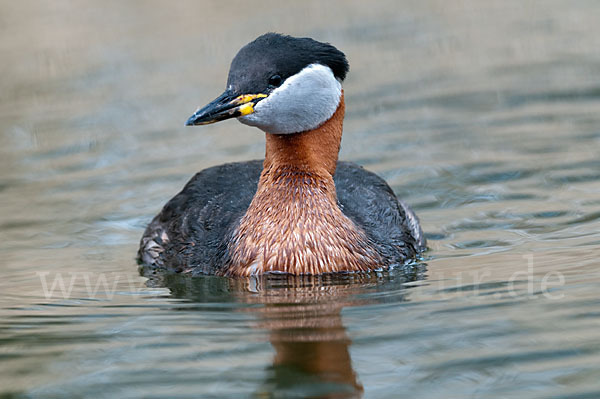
[{"x": 294, "y": 224}]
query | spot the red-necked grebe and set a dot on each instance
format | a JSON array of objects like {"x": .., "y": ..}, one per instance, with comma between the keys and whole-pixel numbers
[{"x": 299, "y": 211}]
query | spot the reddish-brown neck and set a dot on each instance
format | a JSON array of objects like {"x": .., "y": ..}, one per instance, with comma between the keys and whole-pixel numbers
[
  {"x": 315, "y": 150},
  {"x": 294, "y": 224}
]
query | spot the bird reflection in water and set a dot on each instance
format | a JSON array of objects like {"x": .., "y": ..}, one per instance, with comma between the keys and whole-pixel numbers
[
  {"x": 304, "y": 320},
  {"x": 302, "y": 316}
]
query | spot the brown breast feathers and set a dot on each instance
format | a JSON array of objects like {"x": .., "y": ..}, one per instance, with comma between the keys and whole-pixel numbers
[{"x": 294, "y": 224}]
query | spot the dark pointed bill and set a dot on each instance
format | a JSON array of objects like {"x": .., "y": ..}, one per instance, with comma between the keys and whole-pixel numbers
[{"x": 226, "y": 106}]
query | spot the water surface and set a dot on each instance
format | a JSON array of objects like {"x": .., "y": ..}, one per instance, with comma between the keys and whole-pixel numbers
[{"x": 484, "y": 116}]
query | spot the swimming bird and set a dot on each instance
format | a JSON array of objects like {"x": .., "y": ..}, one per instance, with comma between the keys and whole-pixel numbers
[{"x": 298, "y": 211}]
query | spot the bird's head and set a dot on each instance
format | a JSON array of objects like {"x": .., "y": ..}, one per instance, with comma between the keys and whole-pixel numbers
[{"x": 280, "y": 84}]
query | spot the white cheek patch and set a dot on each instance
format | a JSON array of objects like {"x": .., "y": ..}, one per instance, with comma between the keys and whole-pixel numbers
[{"x": 303, "y": 102}]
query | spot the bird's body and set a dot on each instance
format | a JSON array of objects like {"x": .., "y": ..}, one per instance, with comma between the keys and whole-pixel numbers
[
  {"x": 221, "y": 195},
  {"x": 299, "y": 211}
]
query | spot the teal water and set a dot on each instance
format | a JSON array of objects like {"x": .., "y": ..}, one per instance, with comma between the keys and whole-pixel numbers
[{"x": 484, "y": 116}]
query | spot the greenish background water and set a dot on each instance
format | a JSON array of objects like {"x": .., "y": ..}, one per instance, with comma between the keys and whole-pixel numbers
[{"x": 483, "y": 115}]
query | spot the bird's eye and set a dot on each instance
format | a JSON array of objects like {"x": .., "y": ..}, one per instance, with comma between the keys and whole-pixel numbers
[{"x": 275, "y": 81}]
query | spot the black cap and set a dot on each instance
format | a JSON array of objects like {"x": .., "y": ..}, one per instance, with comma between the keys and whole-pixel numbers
[{"x": 280, "y": 56}]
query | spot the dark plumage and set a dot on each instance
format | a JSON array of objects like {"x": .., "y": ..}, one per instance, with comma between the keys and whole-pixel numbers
[
  {"x": 300, "y": 211},
  {"x": 200, "y": 220},
  {"x": 274, "y": 54}
]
